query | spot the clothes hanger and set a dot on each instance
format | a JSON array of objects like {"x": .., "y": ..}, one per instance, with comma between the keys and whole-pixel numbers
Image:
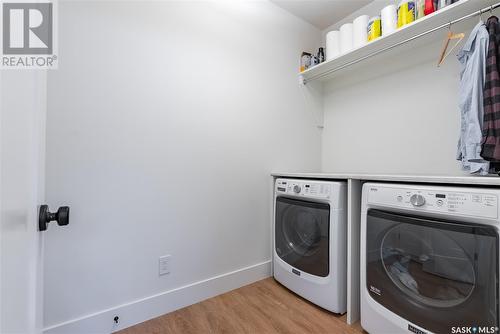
[
  {"x": 481, "y": 19},
  {"x": 491, "y": 9},
  {"x": 449, "y": 37}
]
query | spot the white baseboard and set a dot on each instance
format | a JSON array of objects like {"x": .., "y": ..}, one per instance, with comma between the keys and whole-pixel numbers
[{"x": 147, "y": 308}]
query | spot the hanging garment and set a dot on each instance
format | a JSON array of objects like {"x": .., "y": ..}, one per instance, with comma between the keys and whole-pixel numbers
[
  {"x": 491, "y": 127},
  {"x": 472, "y": 59}
]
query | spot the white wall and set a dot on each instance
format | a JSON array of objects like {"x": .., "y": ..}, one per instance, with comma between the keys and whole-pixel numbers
[
  {"x": 165, "y": 120},
  {"x": 397, "y": 114}
]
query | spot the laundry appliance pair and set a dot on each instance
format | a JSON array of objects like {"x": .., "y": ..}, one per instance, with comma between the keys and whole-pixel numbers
[{"x": 429, "y": 255}]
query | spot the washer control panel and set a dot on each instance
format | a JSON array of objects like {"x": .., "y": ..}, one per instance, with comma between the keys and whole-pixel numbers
[
  {"x": 471, "y": 203},
  {"x": 304, "y": 188}
]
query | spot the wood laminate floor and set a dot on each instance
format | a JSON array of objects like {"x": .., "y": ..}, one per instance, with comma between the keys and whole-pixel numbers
[{"x": 261, "y": 307}]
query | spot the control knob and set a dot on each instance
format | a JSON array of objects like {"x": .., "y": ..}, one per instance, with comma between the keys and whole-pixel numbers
[
  {"x": 417, "y": 200},
  {"x": 296, "y": 189}
]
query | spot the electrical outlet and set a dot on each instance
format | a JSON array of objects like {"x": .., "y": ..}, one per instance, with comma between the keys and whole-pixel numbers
[{"x": 164, "y": 265}]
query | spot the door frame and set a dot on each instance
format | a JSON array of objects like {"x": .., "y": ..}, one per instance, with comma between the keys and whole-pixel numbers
[{"x": 23, "y": 105}]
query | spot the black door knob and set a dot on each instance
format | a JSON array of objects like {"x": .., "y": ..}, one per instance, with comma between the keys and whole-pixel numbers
[{"x": 45, "y": 217}]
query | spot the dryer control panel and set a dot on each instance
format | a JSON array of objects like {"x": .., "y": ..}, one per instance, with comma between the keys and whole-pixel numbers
[
  {"x": 306, "y": 188},
  {"x": 473, "y": 203}
]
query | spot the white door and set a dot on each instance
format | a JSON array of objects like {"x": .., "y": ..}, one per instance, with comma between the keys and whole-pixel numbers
[{"x": 22, "y": 140}]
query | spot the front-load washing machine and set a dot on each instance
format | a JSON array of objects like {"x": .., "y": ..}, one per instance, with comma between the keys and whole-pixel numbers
[
  {"x": 310, "y": 240},
  {"x": 429, "y": 259}
]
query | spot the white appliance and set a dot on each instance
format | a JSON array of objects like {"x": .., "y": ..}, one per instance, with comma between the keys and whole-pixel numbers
[
  {"x": 310, "y": 240},
  {"x": 429, "y": 259}
]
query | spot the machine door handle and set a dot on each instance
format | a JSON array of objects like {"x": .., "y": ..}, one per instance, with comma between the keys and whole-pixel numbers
[{"x": 45, "y": 217}]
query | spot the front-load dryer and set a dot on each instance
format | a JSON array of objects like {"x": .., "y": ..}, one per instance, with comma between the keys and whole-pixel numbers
[
  {"x": 310, "y": 240},
  {"x": 429, "y": 259}
]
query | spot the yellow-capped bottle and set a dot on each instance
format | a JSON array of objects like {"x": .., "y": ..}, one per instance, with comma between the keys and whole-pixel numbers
[
  {"x": 406, "y": 12},
  {"x": 374, "y": 29}
]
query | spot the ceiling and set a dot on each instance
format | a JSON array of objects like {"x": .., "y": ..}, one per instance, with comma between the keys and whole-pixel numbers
[{"x": 321, "y": 13}]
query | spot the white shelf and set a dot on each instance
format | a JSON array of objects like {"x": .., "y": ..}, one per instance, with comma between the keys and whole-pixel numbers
[{"x": 329, "y": 69}]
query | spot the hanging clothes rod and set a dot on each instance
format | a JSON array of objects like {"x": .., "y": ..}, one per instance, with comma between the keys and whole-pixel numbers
[{"x": 446, "y": 25}]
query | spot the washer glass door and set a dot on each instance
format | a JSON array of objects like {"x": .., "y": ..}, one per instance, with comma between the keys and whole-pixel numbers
[
  {"x": 302, "y": 235},
  {"x": 436, "y": 274}
]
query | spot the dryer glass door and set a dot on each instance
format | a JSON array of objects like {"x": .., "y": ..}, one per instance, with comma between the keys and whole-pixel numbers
[
  {"x": 436, "y": 274},
  {"x": 302, "y": 235}
]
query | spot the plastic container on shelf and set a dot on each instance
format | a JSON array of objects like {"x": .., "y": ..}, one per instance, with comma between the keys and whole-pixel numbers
[
  {"x": 374, "y": 28},
  {"x": 359, "y": 31},
  {"x": 332, "y": 44},
  {"x": 430, "y": 7},
  {"x": 406, "y": 12},
  {"x": 346, "y": 38},
  {"x": 419, "y": 9},
  {"x": 389, "y": 17}
]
